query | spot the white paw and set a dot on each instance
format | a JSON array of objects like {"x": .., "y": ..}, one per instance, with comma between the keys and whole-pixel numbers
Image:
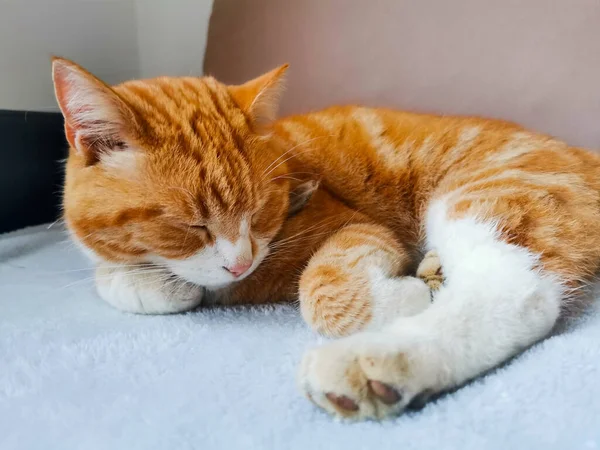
[
  {"x": 369, "y": 375},
  {"x": 146, "y": 292}
]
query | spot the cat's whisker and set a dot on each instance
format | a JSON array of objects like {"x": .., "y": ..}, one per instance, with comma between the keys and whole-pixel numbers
[
  {"x": 293, "y": 245},
  {"x": 324, "y": 222},
  {"x": 175, "y": 285},
  {"x": 300, "y": 241},
  {"x": 72, "y": 241},
  {"x": 284, "y": 177},
  {"x": 146, "y": 267},
  {"x": 271, "y": 169},
  {"x": 289, "y": 151},
  {"x": 178, "y": 287},
  {"x": 293, "y": 173},
  {"x": 59, "y": 221},
  {"x": 300, "y": 238},
  {"x": 78, "y": 282},
  {"x": 302, "y": 233},
  {"x": 281, "y": 255},
  {"x": 288, "y": 246},
  {"x": 109, "y": 276},
  {"x": 287, "y": 159},
  {"x": 187, "y": 232}
]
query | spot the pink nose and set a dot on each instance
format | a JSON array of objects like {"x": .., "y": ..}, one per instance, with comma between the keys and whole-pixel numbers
[{"x": 240, "y": 268}]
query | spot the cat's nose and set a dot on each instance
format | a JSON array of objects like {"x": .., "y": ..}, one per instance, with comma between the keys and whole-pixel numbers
[{"x": 239, "y": 268}]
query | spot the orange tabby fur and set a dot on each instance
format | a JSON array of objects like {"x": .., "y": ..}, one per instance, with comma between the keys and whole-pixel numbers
[
  {"x": 386, "y": 167},
  {"x": 211, "y": 154}
]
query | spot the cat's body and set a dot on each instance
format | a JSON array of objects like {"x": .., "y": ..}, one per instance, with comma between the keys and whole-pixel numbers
[{"x": 514, "y": 217}]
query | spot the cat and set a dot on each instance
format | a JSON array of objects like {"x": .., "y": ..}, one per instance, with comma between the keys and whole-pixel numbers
[{"x": 189, "y": 191}]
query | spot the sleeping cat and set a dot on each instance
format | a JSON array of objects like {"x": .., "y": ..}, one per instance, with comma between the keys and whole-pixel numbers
[{"x": 188, "y": 191}]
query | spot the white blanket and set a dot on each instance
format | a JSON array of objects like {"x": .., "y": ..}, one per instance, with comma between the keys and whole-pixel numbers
[{"x": 77, "y": 374}]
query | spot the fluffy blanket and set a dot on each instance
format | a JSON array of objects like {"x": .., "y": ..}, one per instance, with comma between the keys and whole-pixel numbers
[{"x": 76, "y": 374}]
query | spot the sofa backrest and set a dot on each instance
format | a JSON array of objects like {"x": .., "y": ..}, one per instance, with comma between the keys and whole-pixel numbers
[{"x": 535, "y": 62}]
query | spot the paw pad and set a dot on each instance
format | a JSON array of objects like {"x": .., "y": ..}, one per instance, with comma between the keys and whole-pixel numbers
[
  {"x": 342, "y": 402},
  {"x": 366, "y": 376},
  {"x": 386, "y": 394}
]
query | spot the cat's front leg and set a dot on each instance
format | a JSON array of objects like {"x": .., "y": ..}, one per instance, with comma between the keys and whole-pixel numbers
[
  {"x": 145, "y": 289},
  {"x": 356, "y": 282}
]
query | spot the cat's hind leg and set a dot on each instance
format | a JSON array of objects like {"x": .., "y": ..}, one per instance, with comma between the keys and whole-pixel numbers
[
  {"x": 496, "y": 301},
  {"x": 355, "y": 282}
]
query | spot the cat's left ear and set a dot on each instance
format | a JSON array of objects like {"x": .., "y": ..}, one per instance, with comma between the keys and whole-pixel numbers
[
  {"x": 259, "y": 98},
  {"x": 97, "y": 119}
]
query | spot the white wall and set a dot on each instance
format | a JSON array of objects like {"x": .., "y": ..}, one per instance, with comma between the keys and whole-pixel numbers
[
  {"x": 114, "y": 39},
  {"x": 172, "y": 36}
]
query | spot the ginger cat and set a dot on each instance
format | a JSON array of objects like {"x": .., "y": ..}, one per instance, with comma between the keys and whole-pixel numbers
[{"x": 188, "y": 191}]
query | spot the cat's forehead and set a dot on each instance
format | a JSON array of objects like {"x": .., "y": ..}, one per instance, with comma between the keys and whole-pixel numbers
[
  {"x": 215, "y": 188},
  {"x": 194, "y": 117},
  {"x": 198, "y": 144},
  {"x": 182, "y": 103}
]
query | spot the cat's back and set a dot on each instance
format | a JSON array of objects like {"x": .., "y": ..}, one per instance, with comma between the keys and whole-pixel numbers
[
  {"x": 377, "y": 143},
  {"x": 390, "y": 164}
]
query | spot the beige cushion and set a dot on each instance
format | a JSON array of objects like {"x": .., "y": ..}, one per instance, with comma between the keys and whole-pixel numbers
[{"x": 536, "y": 62}]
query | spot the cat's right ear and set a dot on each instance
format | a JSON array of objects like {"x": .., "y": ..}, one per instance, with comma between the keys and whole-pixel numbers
[
  {"x": 259, "y": 98},
  {"x": 96, "y": 118}
]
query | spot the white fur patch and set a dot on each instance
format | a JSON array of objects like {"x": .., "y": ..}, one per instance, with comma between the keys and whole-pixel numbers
[
  {"x": 122, "y": 161},
  {"x": 495, "y": 301},
  {"x": 238, "y": 251}
]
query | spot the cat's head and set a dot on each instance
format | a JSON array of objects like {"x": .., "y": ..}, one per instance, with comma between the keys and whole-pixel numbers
[{"x": 179, "y": 172}]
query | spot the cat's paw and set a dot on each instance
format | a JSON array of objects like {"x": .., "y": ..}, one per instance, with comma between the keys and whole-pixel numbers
[
  {"x": 368, "y": 376},
  {"x": 430, "y": 270},
  {"x": 151, "y": 291}
]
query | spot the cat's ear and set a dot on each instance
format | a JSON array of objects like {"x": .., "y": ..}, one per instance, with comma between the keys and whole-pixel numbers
[
  {"x": 96, "y": 118},
  {"x": 300, "y": 195},
  {"x": 259, "y": 98}
]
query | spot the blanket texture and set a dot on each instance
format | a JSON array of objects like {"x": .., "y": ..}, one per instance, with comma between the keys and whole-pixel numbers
[{"x": 77, "y": 374}]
